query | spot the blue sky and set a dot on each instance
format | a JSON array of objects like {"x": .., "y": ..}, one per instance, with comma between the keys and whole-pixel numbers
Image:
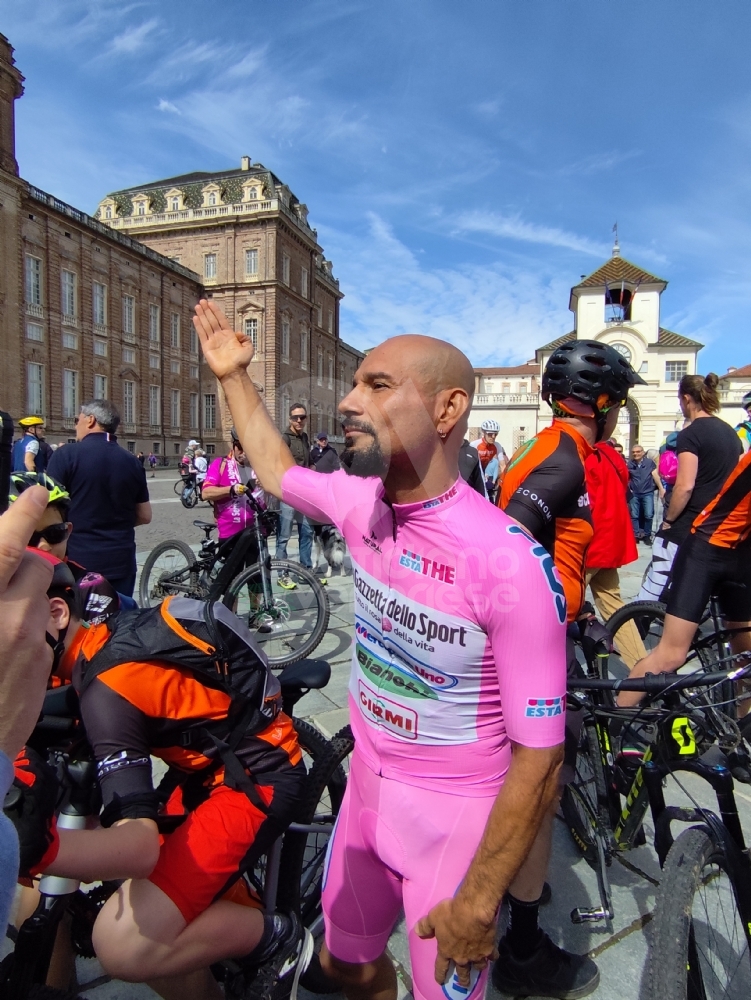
[{"x": 463, "y": 162}]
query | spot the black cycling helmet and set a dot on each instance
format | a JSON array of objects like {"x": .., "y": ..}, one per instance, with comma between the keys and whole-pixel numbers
[
  {"x": 589, "y": 372},
  {"x": 746, "y": 401},
  {"x": 235, "y": 436}
]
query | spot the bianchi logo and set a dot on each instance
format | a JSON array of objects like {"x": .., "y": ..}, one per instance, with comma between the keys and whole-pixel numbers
[
  {"x": 427, "y": 567},
  {"x": 390, "y": 678}
]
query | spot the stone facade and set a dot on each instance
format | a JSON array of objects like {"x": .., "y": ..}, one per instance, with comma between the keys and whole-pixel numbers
[
  {"x": 87, "y": 312},
  {"x": 248, "y": 237},
  {"x": 510, "y": 396}
]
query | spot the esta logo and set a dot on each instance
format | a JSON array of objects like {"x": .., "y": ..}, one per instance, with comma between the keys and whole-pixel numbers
[
  {"x": 427, "y": 567},
  {"x": 543, "y": 708}
]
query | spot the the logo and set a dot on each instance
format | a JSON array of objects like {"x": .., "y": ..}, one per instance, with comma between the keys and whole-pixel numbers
[
  {"x": 390, "y": 677},
  {"x": 427, "y": 567},
  {"x": 454, "y": 991},
  {"x": 583, "y": 500},
  {"x": 545, "y": 560},
  {"x": 372, "y": 543},
  {"x": 543, "y": 708},
  {"x": 437, "y": 501},
  {"x": 432, "y": 675},
  {"x": 382, "y": 711}
]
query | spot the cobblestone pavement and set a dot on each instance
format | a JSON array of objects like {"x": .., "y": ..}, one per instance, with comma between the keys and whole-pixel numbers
[{"x": 620, "y": 948}]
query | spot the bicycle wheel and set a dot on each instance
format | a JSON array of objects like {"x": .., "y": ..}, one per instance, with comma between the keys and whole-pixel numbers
[
  {"x": 639, "y": 621},
  {"x": 290, "y": 624},
  {"x": 303, "y": 854},
  {"x": 189, "y": 497},
  {"x": 700, "y": 948},
  {"x": 579, "y": 802},
  {"x": 179, "y": 487},
  {"x": 171, "y": 568}
]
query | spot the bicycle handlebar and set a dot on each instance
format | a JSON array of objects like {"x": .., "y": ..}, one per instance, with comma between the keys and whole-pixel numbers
[{"x": 656, "y": 683}]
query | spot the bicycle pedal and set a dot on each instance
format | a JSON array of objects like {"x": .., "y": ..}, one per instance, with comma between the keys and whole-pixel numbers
[{"x": 589, "y": 915}]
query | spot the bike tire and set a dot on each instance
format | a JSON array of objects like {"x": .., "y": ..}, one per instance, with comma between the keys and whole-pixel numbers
[
  {"x": 579, "y": 804},
  {"x": 304, "y": 854},
  {"x": 189, "y": 499},
  {"x": 179, "y": 487},
  {"x": 147, "y": 599},
  {"x": 679, "y": 942},
  {"x": 280, "y": 651}
]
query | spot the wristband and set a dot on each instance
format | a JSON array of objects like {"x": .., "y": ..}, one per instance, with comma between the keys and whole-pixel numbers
[{"x": 51, "y": 853}]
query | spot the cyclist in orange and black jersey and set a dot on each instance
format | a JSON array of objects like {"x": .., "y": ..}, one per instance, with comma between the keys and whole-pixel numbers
[{"x": 544, "y": 489}]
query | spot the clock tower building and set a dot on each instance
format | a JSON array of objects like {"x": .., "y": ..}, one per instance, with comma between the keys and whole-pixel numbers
[{"x": 619, "y": 304}]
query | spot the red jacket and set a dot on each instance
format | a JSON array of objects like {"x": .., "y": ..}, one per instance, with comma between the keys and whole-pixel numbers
[{"x": 613, "y": 543}]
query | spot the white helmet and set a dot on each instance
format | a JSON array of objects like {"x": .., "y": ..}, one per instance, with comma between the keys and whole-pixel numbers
[
  {"x": 192, "y": 443},
  {"x": 490, "y": 426}
]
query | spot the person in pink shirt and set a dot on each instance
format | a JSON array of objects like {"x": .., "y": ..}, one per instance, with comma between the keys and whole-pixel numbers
[
  {"x": 228, "y": 483},
  {"x": 458, "y": 680}
]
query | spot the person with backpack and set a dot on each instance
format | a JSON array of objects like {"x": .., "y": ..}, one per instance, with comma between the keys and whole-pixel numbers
[
  {"x": 185, "y": 682},
  {"x": 743, "y": 429}
]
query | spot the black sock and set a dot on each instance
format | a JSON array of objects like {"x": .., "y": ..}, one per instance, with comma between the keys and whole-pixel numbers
[
  {"x": 275, "y": 929},
  {"x": 523, "y": 934}
]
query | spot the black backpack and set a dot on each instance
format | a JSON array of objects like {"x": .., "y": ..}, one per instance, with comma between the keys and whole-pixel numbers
[{"x": 217, "y": 647}]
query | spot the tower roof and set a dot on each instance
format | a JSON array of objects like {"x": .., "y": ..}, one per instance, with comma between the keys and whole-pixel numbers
[{"x": 619, "y": 269}]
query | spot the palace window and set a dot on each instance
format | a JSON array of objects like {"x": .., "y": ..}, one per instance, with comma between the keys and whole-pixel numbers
[
  {"x": 675, "y": 370},
  {"x": 35, "y": 388},
  {"x": 330, "y": 372},
  {"x": 251, "y": 261},
  {"x": 33, "y": 280},
  {"x": 212, "y": 201},
  {"x": 155, "y": 361},
  {"x": 194, "y": 371},
  {"x": 285, "y": 339},
  {"x": 193, "y": 340},
  {"x": 70, "y": 340},
  {"x": 100, "y": 387},
  {"x": 319, "y": 366},
  {"x": 154, "y": 324},
  {"x": 193, "y": 411},
  {"x": 129, "y": 316},
  {"x": 34, "y": 331},
  {"x": 209, "y": 411},
  {"x": 330, "y": 324},
  {"x": 129, "y": 408},
  {"x": 174, "y": 330},
  {"x": 304, "y": 282},
  {"x": 70, "y": 394},
  {"x": 68, "y": 291},
  {"x": 304, "y": 348},
  {"x": 174, "y": 367},
  {"x": 251, "y": 331},
  {"x": 100, "y": 349},
  {"x": 175, "y": 408},
  {"x": 209, "y": 265},
  {"x": 285, "y": 268},
  {"x": 99, "y": 303},
  {"x": 129, "y": 356},
  {"x": 175, "y": 204},
  {"x": 155, "y": 405}
]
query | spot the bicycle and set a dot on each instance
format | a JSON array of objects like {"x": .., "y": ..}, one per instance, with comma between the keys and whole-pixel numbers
[
  {"x": 289, "y": 876},
  {"x": 709, "y": 647},
  {"x": 288, "y": 626},
  {"x": 685, "y": 733}
]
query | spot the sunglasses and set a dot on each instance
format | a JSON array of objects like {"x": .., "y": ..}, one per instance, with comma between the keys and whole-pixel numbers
[
  {"x": 53, "y": 535},
  {"x": 297, "y": 416}
]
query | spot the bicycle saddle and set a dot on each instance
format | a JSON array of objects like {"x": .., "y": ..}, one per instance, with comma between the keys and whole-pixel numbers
[
  {"x": 310, "y": 674},
  {"x": 204, "y": 525}
]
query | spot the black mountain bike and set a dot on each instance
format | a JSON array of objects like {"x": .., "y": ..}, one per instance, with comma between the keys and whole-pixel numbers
[
  {"x": 239, "y": 571},
  {"x": 288, "y": 877},
  {"x": 702, "y": 924},
  {"x": 188, "y": 489}
]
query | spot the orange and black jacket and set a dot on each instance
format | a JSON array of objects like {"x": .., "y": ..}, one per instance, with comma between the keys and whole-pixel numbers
[
  {"x": 726, "y": 521},
  {"x": 544, "y": 489},
  {"x": 136, "y": 710}
]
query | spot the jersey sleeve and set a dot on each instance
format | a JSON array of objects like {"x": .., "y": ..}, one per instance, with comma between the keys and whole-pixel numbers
[
  {"x": 536, "y": 501},
  {"x": 117, "y": 732},
  {"x": 528, "y": 646},
  {"x": 32, "y": 446},
  {"x": 326, "y": 497}
]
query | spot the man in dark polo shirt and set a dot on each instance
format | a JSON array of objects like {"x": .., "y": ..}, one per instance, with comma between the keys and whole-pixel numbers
[
  {"x": 643, "y": 480},
  {"x": 108, "y": 496}
]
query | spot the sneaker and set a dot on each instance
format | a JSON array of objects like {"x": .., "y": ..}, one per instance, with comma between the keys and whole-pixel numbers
[
  {"x": 548, "y": 972},
  {"x": 262, "y": 621},
  {"x": 545, "y": 896},
  {"x": 279, "y": 975},
  {"x": 286, "y": 584}
]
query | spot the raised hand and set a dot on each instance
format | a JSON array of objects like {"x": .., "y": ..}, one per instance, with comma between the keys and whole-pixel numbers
[{"x": 227, "y": 352}]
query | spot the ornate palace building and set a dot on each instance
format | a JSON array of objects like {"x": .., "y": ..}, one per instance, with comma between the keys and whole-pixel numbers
[
  {"x": 88, "y": 312},
  {"x": 248, "y": 237}
]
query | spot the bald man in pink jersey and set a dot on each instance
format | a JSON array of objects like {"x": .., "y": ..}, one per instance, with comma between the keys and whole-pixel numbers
[{"x": 458, "y": 682}]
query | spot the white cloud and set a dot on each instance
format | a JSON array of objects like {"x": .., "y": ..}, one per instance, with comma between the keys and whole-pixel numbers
[
  {"x": 514, "y": 227},
  {"x": 164, "y": 105},
  {"x": 133, "y": 39},
  {"x": 493, "y": 312}
]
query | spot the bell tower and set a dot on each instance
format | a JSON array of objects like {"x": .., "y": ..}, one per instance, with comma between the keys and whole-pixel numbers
[{"x": 11, "y": 88}]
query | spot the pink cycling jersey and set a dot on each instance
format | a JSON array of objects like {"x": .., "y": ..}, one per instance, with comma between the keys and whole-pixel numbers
[
  {"x": 232, "y": 514},
  {"x": 460, "y": 632}
]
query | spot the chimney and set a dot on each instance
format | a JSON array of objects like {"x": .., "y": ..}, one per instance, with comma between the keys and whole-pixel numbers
[
  {"x": 731, "y": 369},
  {"x": 245, "y": 163}
]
